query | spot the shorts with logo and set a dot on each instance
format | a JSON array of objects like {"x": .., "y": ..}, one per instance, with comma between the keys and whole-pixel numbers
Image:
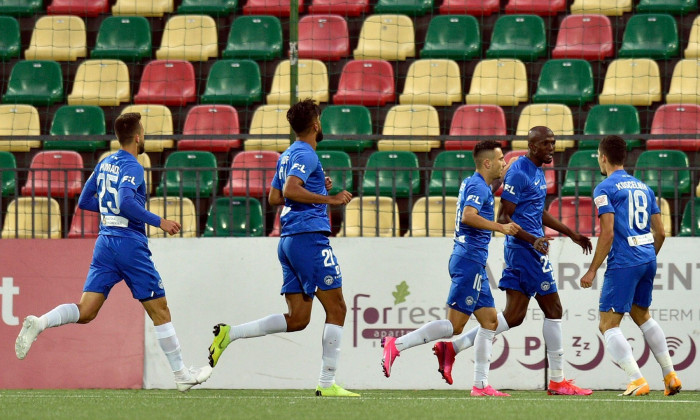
[
  {"x": 116, "y": 258},
  {"x": 308, "y": 262},
  {"x": 623, "y": 287},
  {"x": 470, "y": 288},
  {"x": 528, "y": 272}
]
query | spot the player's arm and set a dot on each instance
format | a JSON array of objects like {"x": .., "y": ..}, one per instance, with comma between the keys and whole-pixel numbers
[
  {"x": 275, "y": 197},
  {"x": 471, "y": 217},
  {"x": 552, "y": 222},
  {"x": 88, "y": 197},
  {"x": 602, "y": 248},
  {"x": 132, "y": 210},
  {"x": 505, "y": 212},
  {"x": 657, "y": 230},
  {"x": 294, "y": 190}
]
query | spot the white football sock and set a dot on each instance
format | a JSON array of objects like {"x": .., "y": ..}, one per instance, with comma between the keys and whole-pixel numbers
[
  {"x": 482, "y": 357},
  {"x": 551, "y": 330},
  {"x": 171, "y": 347},
  {"x": 331, "y": 352},
  {"x": 271, "y": 324},
  {"x": 621, "y": 352},
  {"x": 466, "y": 340},
  {"x": 656, "y": 339},
  {"x": 68, "y": 313},
  {"x": 433, "y": 330}
]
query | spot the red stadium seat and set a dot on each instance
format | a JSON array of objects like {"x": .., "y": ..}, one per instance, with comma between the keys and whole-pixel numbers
[
  {"x": 210, "y": 120},
  {"x": 476, "y": 120},
  {"x": 90, "y": 8},
  {"x": 366, "y": 82},
  {"x": 578, "y": 214},
  {"x": 470, "y": 7},
  {"x": 85, "y": 224},
  {"x": 251, "y": 173},
  {"x": 167, "y": 82},
  {"x": 550, "y": 174},
  {"x": 49, "y": 174},
  {"x": 324, "y": 37},
  {"x": 279, "y": 8},
  {"x": 588, "y": 37},
  {"x": 536, "y": 7},
  {"x": 676, "y": 119},
  {"x": 340, "y": 7}
]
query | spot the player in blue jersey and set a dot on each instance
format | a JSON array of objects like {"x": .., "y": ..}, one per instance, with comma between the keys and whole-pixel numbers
[
  {"x": 117, "y": 190},
  {"x": 631, "y": 235},
  {"x": 470, "y": 292},
  {"x": 309, "y": 266}
]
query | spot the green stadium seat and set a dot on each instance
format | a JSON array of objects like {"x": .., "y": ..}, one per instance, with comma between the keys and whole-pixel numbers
[
  {"x": 674, "y": 7},
  {"x": 391, "y": 174},
  {"x": 565, "y": 81},
  {"x": 346, "y": 119},
  {"x": 20, "y": 7},
  {"x": 233, "y": 82},
  {"x": 611, "y": 119},
  {"x": 582, "y": 174},
  {"x": 123, "y": 38},
  {"x": 255, "y": 37},
  {"x": 456, "y": 37},
  {"x": 207, "y": 7},
  {"x": 444, "y": 181},
  {"x": 404, "y": 7},
  {"x": 650, "y": 36},
  {"x": 518, "y": 36},
  {"x": 77, "y": 120},
  {"x": 8, "y": 178},
  {"x": 688, "y": 222},
  {"x": 9, "y": 38},
  {"x": 667, "y": 169},
  {"x": 35, "y": 82},
  {"x": 192, "y": 181},
  {"x": 234, "y": 216},
  {"x": 337, "y": 166}
]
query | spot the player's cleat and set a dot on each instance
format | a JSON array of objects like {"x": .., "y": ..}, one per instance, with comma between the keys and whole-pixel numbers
[
  {"x": 488, "y": 391},
  {"x": 196, "y": 377},
  {"x": 636, "y": 388},
  {"x": 566, "y": 387},
  {"x": 221, "y": 341},
  {"x": 445, "y": 352},
  {"x": 334, "y": 391},
  {"x": 390, "y": 353},
  {"x": 31, "y": 327},
  {"x": 672, "y": 384}
]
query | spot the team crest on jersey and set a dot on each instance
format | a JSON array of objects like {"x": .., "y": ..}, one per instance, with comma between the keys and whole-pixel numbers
[
  {"x": 328, "y": 280},
  {"x": 160, "y": 284},
  {"x": 469, "y": 301},
  {"x": 544, "y": 286},
  {"x": 601, "y": 200}
]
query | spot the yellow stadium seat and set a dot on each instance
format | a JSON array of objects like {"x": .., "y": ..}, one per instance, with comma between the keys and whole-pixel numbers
[
  {"x": 189, "y": 37},
  {"x": 32, "y": 217},
  {"x": 498, "y": 82},
  {"x": 633, "y": 81},
  {"x": 101, "y": 82},
  {"x": 58, "y": 38},
  {"x": 601, "y": 7},
  {"x": 19, "y": 120},
  {"x": 173, "y": 208},
  {"x": 432, "y": 82},
  {"x": 555, "y": 116},
  {"x": 372, "y": 217},
  {"x": 411, "y": 120},
  {"x": 269, "y": 119},
  {"x": 685, "y": 87},
  {"x": 434, "y": 216},
  {"x": 496, "y": 206},
  {"x": 693, "y": 50},
  {"x": 142, "y": 7},
  {"x": 144, "y": 160},
  {"x": 665, "y": 214},
  {"x": 386, "y": 37},
  {"x": 312, "y": 82},
  {"x": 157, "y": 121}
]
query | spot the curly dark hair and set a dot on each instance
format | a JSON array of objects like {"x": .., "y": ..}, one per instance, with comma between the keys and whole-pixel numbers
[
  {"x": 302, "y": 114},
  {"x": 127, "y": 126}
]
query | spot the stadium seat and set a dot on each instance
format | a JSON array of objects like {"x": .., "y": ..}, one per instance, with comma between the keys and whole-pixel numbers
[
  {"x": 189, "y": 37},
  {"x": 685, "y": 88},
  {"x": 404, "y": 7},
  {"x": 101, "y": 82},
  {"x": 9, "y": 38},
  {"x": 688, "y": 222},
  {"x": 611, "y": 119},
  {"x": 80, "y": 121},
  {"x": 157, "y": 121},
  {"x": 665, "y": 208},
  {"x": 676, "y": 119},
  {"x": 550, "y": 175},
  {"x": 125, "y": 38},
  {"x": 35, "y": 82},
  {"x": 578, "y": 213},
  {"x": 667, "y": 169},
  {"x": 371, "y": 217},
  {"x": 588, "y": 37},
  {"x": 337, "y": 165},
  {"x": 19, "y": 120},
  {"x": 210, "y": 120},
  {"x": 601, "y": 7},
  {"x": 582, "y": 174},
  {"x": 386, "y": 37},
  {"x": 411, "y": 120},
  {"x": 279, "y": 8},
  {"x": 85, "y": 224},
  {"x": 144, "y": 160},
  {"x": 433, "y": 216},
  {"x": 20, "y": 7},
  {"x": 323, "y": 37},
  {"x": 254, "y": 37},
  {"x": 55, "y": 174},
  {"x": 518, "y": 36},
  {"x": 393, "y": 174},
  {"x": 366, "y": 82},
  {"x": 498, "y": 82},
  {"x": 151, "y": 8},
  {"x": 340, "y": 7},
  {"x": 674, "y": 7},
  {"x": 476, "y": 120},
  {"x": 252, "y": 173},
  {"x": 557, "y": 117},
  {"x": 631, "y": 81},
  {"x": 32, "y": 218},
  {"x": 537, "y": 7},
  {"x": 432, "y": 82},
  {"x": 312, "y": 82},
  {"x": 269, "y": 119},
  {"x": 693, "y": 49},
  {"x": 453, "y": 37},
  {"x": 234, "y": 216},
  {"x": 60, "y": 38},
  {"x": 169, "y": 82},
  {"x": 650, "y": 36},
  {"x": 566, "y": 81},
  {"x": 470, "y": 7},
  {"x": 346, "y": 120},
  {"x": 88, "y": 8},
  {"x": 8, "y": 175},
  {"x": 189, "y": 174},
  {"x": 207, "y": 7},
  {"x": 181, "y": 210},
  {"x": 449, "y": 170}
]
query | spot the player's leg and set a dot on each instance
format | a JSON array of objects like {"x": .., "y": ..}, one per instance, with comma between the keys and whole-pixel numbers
[{"x": 550, "y": 304}]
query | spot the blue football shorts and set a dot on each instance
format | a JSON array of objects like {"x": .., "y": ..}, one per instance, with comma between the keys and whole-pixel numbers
[
  {"x": 623, "y": 287},
  {"x": 308, "y": 262},
  {"x": 527, "y": 271},
  {"x": 470, "y": 288}
]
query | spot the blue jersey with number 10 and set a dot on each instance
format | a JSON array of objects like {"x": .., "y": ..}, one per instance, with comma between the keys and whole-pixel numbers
[{"x": 472, "y": 243}]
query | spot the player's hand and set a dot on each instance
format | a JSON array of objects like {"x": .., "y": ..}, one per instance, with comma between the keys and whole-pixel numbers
[
  {"x": 510, "y": 228},
  {"x": 341, "y": 198},
  {"x": 170, "y": 226},
  {"x": 542, "y": 244},
  {"x": 587, "y": 279},
  {"x": 329, "y": 183},
  {"x": 584, "y": 242}
]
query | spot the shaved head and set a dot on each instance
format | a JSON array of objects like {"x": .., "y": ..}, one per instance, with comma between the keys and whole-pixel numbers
[{"x": 538, "y": 132}]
